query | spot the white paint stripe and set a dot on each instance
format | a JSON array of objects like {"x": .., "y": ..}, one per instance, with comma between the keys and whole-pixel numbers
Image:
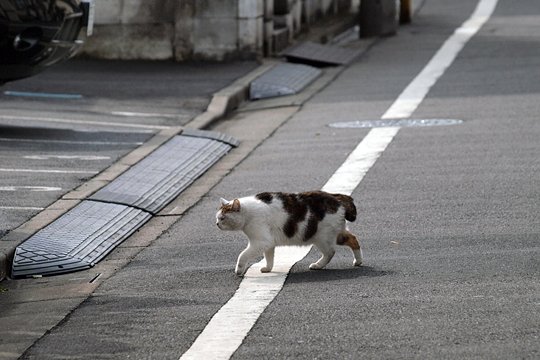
[
  {"x": 139, "y": 114},
  {"x": 352, "y": 171},
  {"x": 412, "y": 96},
  {"x": 29, "y": 188},
  {"x": 24, "y": 208},
  {"x": 72, "y": 142},
  {"x": 49, "y": 171},
  {"x": 67, "y": 157},
  {"x": 227, "y": 329},
  {"x": 83, "y": 122}
]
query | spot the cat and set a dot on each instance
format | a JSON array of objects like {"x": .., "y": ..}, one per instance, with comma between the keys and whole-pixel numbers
[{"x": 270, "y": 219}]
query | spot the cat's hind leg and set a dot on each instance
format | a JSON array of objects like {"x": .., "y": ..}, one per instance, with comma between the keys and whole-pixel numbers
[
  {"x": 346, "y": 238},
  {"x": 327, "y": 251},
  {"x": 269, "y": 257}
]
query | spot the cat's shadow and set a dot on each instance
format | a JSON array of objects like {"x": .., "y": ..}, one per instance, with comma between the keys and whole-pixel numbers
[{"x": 335, "y": 274}]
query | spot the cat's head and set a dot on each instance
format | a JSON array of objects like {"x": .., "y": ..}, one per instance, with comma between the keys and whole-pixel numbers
[{"x": 229, "y": 215}]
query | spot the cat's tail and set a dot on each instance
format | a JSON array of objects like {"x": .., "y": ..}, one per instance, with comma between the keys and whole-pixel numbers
[{"x": 348, "y": 204}]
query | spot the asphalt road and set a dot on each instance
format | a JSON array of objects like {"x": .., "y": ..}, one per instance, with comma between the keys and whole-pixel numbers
[{"x": 448, "y": 218}]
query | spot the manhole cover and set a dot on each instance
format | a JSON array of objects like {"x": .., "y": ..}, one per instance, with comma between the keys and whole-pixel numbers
[{"x": 394, "y": 123}]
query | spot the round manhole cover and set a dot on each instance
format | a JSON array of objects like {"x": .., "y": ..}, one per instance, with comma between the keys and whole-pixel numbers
[{"x": 394, "y": 123}]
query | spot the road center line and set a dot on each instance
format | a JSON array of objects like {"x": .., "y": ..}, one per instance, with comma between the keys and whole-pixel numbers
[{"x": 230, "y": 325}]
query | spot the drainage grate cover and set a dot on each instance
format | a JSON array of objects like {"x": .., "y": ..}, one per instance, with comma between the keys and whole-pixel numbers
[
  {"x": 155, "y": 181},
  {"x": 320, "y": 55},
  {"x": 395, "y": 123},
  {"x": 77, "y": 240},
  {"x": 282, "y": 79}
]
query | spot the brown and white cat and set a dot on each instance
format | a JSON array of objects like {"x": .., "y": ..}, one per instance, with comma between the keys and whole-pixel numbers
[{"x": 270, "y": 219}]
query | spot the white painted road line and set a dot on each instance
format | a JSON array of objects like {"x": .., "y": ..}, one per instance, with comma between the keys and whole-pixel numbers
[
  {"x": 23, "y": 208},
  {"x": 416, "y": 91},
  {"x": 30, "y": 188},
  {"x": 50, "y": 171},
  {"x": 67, "y": 157},
  {"x": 143, "y": 115},
  {"x": 83, "y": 122},
  {"x": 48, "y": 141},
  {"x": 230, "y": 325}
]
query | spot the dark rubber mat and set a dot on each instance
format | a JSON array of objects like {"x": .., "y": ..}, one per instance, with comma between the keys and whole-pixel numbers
[
  {"x": 320, "y": 55},
  {"x": 88, "y": 232},
  {"x": 155, "y": 181},
  {"x": 282, "y": 79},
  {"x": 77, "y": 240}
]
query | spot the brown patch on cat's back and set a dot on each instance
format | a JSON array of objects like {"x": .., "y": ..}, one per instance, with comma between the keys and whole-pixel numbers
[
  {"x": 296, "y": 209},
  {"x": 348, "y": 203},
  {"x": 265, "y": 197},
  {"x": 319, "y": 203}
]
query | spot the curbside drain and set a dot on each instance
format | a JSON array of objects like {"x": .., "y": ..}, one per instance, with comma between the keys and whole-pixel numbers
[
  {"x": 360, "y": 124},
  {"x": 87, "y": 233}
]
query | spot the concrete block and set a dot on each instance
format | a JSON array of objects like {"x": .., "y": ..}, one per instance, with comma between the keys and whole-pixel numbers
[
  {"x": 285, "y": 21},
  {"x": 326, "y": 6},
  {"x": 280, "y": 39},
  {"x": 108, "y": 12},
  {"x": 282, "y": 7},
  {"x": 216, "y": 9},
  {"x": 250, "y": 34},
  {"x": 308, "y": 14},
  {"x": 379, "y": 18},
  {"x": 130, "y": 42},
  {"x": 268, "y": 39},
  {"x": 250, "y": 8},
  {"x": 296, "y": 13},
  {"x": 147, "y": 12},
  {"x": 268, "y": 9},
  {"x": 214, "y": 38}
]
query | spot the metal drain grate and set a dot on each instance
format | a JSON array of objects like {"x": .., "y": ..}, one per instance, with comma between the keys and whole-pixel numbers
[
  {"x": 158, "y": 179},
  {"x": 320, "y": 55},
  {"x": 77, "y": 240},
  {"x": 394, "y": 123},
  {"x": 282, "y": 79}
]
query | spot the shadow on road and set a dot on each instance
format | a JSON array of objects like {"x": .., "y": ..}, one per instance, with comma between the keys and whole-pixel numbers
[{"x": 336, "y": 274}]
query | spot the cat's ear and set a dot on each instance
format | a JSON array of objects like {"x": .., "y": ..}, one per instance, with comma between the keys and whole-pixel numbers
[
  {"x": 223, "y": 202},
  {"x": 236, "y": 205}
]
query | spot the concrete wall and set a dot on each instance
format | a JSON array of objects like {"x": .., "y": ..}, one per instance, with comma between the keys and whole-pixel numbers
[{"x": 202, "y": 29}]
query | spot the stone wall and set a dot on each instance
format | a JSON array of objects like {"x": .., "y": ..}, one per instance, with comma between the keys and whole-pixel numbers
[{"x": 202, "y": 29}]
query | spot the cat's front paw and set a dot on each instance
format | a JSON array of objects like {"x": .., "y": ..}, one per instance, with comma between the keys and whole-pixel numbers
[
  {"x": 315, "y": 266},
  {"x": 240, "y": 270},
  {"x": 266, "y": 269},
  {"x": 357, "y": 263}
]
